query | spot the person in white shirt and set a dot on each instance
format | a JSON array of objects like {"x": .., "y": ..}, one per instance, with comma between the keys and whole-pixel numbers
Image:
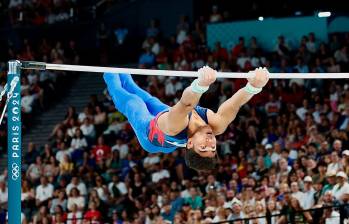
[
  {"x": 62, "y": 151},
  {"x": 301, "y": 111},
  {"x": 27, "y": 102},
  {"x": 276, "y": 154},
  {"x": 74, "y": 216},
  {"x": 296, "y": 193},
  {"x": 172, "y": 86},
  {"x": 76, "y": 183},
  {"x": 120, "y": 186},
  {"x": 75, "y": 199},
  {"x": 341, "y": 189},
  {"x": 78, "y": 142},
  {"x": 101, "y": 189},
  {"x": 85, "y": 114},
  {"x": 284, "y": 168},
  {"x": 150, "y": 161},
  {"x": 159, "y": 174},
  {"x": 331, "y": 216},
  {"x": 335, "y": 164},
  {"x": 121, "y": 147},
  {"x": 43, "y": 192},
  {"x": 88, "y": 129},
  {"x": 308, "y": 193}
]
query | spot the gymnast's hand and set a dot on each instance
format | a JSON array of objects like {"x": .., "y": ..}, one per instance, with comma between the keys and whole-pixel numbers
[
  {"x": 260, "y": 79},
  {"x": 207, "y": 76}
]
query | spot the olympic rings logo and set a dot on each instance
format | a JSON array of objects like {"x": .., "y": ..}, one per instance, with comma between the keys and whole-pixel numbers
[{"x": 15, "y": 171}]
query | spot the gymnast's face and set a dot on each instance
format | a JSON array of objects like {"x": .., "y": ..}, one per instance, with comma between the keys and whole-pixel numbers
[{"x": 203, "y": 142}]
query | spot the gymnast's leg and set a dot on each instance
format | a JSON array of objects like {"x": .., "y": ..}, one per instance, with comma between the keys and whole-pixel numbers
[
  {"x": 129, "y": 104},
  {"x": 133, "y": 107},
  {"x": 154, "y": 105}
]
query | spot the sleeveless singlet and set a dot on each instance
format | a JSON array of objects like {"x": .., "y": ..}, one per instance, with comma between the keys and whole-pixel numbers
[{"x": 159, "y": 138}]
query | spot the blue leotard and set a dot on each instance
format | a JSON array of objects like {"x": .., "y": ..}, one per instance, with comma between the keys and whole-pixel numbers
[{"x": 142, "y": 111}]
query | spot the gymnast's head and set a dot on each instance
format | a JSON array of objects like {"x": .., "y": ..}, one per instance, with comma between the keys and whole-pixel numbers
[{"x": 201, "y": 151}]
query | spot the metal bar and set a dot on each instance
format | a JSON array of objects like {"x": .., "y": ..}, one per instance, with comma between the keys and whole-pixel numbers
[
  {"x": 134, "y": 71},
  {"x": 14, "y": 128}
]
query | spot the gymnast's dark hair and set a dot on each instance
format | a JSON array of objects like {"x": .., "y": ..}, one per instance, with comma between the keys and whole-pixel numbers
[{"x": 199, "y": 163}]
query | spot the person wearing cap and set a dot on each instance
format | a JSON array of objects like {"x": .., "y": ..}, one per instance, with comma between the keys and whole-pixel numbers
[
  {"x": 237, "y": 212},
  {"x": 341, "y": 189},
  {"x": 308, "y": 193},
  {"x": 331, "y": 181}
]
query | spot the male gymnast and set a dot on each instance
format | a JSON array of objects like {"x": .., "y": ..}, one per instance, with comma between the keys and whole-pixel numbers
[{"x": 161, "y": 128}]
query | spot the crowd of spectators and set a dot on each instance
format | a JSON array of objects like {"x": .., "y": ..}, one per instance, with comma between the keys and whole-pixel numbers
[
  {"x": 40, "y": 12},
  {"x": 38, "y": 88},
  {"x": 286, "y": 151}
]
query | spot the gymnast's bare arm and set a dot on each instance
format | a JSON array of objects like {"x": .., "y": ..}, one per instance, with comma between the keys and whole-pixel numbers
[
  {"x": 177, "y": 118},
  {"x": 227, "y": 112}
]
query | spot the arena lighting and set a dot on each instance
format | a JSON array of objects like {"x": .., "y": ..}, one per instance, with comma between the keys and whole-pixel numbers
[
  {"x": 298, "y": 13},
  {"x": 261, "y": 18},
  {"x": 324, "y": 14}
]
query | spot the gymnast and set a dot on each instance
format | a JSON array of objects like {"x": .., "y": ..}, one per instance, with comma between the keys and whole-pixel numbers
[{"x": 161, "y": 128}]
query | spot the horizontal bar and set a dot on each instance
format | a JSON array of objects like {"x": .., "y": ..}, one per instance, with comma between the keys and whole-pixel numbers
[{"x": 135, "y": 71}]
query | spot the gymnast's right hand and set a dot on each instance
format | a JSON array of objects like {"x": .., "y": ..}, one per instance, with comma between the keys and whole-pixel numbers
[{"x": 207, "y": 76}]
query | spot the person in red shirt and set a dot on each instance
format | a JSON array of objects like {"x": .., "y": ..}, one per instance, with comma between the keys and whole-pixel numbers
[
  {"x": 101, "y": 151},
  {"x": 238, "y": 48},
  {"x": 220, "y": 53},
  {"x": 93, "y": 215}
]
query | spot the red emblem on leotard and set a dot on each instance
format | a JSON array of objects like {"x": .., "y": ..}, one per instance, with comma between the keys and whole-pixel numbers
[{"x": 154, "y": 130}]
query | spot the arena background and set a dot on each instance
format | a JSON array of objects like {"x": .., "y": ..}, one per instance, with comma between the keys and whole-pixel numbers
[{"x": 286, "y": 152}]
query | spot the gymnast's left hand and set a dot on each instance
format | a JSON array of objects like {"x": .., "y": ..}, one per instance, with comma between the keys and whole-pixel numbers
[
  {"x": 207, "y": 76},
  {"x": 260, "y": 78}
]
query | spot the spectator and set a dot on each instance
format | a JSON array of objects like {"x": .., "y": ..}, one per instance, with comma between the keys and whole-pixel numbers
[
  {"x": 92, "y": 215},
  {"x": 42, "y": 216},
  {"x": 76, "y": 183},
  {"x": 331, "y": 181},
  {"x": 341, "y": 189},
  {"x": 43, "y": 192},
  {"x": 159, "y": 173},
  {"x": 75, "y": 199},
  {"x": 297, "y": 194},
  {"x": 88, "y": 129},
  {"x": 194, "y": 200},
  {"x": 215, "y": 15},
  {"x": 101, "y": 151},
  {"x": 299, "y": 216},
  {"x": 147, "y": 59},
  {"x": 74, "y": 216},
  {"x": 35, "y": 170},
  {"x": 237, "y": 212},
  {"x": 117, "y": 188},
  {"x": 60, "y": 199},
  {"x": 3, "y": 194},
  {"x": 308, "y": 193},
  {"x": 335, "y": 164},
  {"x": 78, "y": 142},
  {"x": 121, "y": 147}
]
